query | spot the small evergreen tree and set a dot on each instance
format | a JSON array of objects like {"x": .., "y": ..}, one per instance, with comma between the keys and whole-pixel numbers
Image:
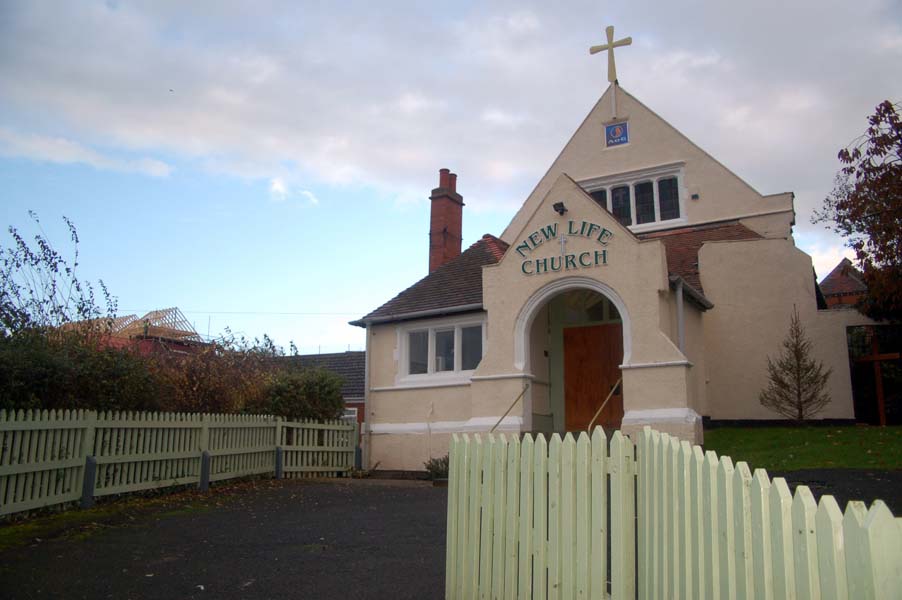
[{"x": 796, "y": 381}]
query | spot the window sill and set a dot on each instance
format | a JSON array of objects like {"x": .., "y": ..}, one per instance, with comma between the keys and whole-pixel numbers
[
  {"x": 435, "y": 379},
  {"x": 645, "y": 227}
]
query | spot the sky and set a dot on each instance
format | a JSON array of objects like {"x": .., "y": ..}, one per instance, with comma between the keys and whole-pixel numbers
[{"x": 265, "y": 166}]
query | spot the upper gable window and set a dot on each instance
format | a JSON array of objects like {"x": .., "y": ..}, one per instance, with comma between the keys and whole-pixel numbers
[{"x": 643, "y": 199}]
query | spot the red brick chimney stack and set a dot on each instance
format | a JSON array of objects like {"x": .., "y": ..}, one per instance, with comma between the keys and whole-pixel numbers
[{"x": 445, "y": 222}]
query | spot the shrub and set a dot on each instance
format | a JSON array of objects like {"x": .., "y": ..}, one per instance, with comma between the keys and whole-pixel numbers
[
  {"x": 437, "y": 467},
  {"x": 307, "y": 394}
]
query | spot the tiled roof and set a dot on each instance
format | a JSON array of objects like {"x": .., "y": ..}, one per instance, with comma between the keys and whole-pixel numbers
[
  {"x": 843, "y": 279},
  {"x": 682, "y": 245},
  {"x": 349, "y": 365},
  {"x": 457, "y": 283}
]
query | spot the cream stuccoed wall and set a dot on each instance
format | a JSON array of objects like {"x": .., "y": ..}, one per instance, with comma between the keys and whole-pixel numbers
[
  {"x": 634, "y": 278},
  {"x": 653, "y": 143},
  {"x": 753, "y": 285}
]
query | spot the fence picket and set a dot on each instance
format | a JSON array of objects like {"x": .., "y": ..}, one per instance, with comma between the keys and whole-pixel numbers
[
  {"x": 742, "y": 527},
  {"x": 499, "y": 522},
  {"x": 528, "y": 458},
  {"x": 538, "y": 523},
  {"x": 486, "y": 522},
  {"x": 709, "y": 525},
  {"x": 554, "y": 517},
  {"x": 599, "y": 520},
  {"x": 725, "y": 527},
  {"x": 685, "y": 548},
  {"x": 583, "y": 523},
  {"x": 781, "y": 539},
  {"x": 568, "y": 517},
  {"x": 623, "y": 537},
  {"x": 805, "y": 545},
  {"x": 512, "y": 542},
  {"x": 831, "y": 556}
]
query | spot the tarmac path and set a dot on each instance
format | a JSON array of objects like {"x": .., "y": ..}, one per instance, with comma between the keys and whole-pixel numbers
[{"x": 271, "y": 539}]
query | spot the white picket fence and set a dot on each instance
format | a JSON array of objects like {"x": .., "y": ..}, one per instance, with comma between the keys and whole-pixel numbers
[
  {"x": 53, "y": 457},
  {"x": 580, "y": 518}
]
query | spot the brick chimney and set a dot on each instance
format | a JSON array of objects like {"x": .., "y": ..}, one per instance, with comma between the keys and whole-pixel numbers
[{"x": 445, "y": 221}]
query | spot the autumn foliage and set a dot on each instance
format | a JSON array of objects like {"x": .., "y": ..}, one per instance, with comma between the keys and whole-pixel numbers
[
  {"x": 865, "y": 207},
  {"x": 56, "y": 351}
]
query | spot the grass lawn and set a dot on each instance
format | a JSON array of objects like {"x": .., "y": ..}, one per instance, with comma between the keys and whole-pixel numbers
[{"x": 794, "y": 448}]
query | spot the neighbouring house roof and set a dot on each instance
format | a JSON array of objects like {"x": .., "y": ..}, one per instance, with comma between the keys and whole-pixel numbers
[
  {"x": 843, "y": 279},
  {"x": 455, "y": 285},
  {"x": 351, "y": 366},
  {"x": 682, "y": 246}
]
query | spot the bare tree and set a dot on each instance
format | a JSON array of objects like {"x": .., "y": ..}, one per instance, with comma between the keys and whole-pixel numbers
[{"x": 796, "y": 381}]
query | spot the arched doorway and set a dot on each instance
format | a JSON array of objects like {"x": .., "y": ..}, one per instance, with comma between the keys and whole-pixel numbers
[{"x": 574, "y": 338}]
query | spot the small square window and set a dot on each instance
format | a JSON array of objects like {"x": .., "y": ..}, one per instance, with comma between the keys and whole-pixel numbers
[
  {"x": 418, "y": 346},
  {"x": 444, "y": 350},
  {"x": 471, "y": 347}
]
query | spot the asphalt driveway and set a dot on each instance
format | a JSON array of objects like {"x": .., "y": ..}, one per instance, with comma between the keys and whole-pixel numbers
[{"x": 269, "y": 539}]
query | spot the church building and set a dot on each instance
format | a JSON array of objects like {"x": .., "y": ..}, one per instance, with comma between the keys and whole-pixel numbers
[{"x": 641, "y": 283}]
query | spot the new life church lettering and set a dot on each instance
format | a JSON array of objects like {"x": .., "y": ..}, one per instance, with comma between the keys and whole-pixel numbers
[{"x": 564, "y": 262}]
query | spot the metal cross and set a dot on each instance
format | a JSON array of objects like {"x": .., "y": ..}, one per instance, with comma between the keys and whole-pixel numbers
[
  {"x": 563, "y": 240},
  {"x": 612, "y": 70}
]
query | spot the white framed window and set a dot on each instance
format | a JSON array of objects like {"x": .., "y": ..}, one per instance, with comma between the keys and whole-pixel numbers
[
  {"x": 643, "y": 199},
  {"x": 350, "y": 414},
  {"x": 440, "y": 350}
]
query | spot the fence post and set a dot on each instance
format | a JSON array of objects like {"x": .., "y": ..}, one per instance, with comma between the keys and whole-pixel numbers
[
  {"x": 204, "y": 432},
  {"x": 87, "y": 488},
  {"x": 280, "y": 463},
  {"x": 90, "y": 469},
  {"x": 205, "y": 460}
]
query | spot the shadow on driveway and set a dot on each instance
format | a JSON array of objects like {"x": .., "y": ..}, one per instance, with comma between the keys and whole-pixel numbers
[{"x": 272, "y": 539}]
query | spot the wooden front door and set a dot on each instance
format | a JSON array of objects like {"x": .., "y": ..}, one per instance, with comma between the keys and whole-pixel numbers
[{"x": 591, "y": 358}]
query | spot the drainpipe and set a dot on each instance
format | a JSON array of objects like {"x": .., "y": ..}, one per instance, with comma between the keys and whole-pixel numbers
[
  {"x": 366, "y": 400},
  {"x": 681, "y": 325}
]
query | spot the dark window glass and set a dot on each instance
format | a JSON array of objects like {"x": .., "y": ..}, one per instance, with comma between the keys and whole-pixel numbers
[
  {"x": 620, "y": 205},
  {"x": 669, "y": 199},
  {"x": 418, "y": 346},
  {"x": 471, "y": 350},
  {"x": 601, "y": 197},
  {"x": 645, "y": 202},
  {"x": 444, "y": 350}
]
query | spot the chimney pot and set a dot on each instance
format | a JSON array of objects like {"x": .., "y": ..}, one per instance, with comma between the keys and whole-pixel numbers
[{"x": 445, "y": 221}]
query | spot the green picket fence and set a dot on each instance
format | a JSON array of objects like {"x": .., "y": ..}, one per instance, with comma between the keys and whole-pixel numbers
[
  {"x": 581, "y": 518},
  {"x": 53, "y": 457}
]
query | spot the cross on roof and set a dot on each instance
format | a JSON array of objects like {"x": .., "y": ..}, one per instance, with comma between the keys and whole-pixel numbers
[{"x": 612, "y": 70}]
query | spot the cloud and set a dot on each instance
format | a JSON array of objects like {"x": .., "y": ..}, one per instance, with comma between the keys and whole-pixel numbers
[
  {"x": 310, "y": 196},
  {"x": 64, "y": 151},
  {"x": 277, "y": 189},
  {"x": 361, "y": 97},
  {"x": 824, "y": 252}
]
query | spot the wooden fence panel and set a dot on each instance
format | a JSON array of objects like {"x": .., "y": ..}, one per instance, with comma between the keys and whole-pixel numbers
[
  {"x": 529, "y": 520},
  {"x": 43, "y": 453},
  {"x": 313, "y": 448},
  {"x": 140, "y": 451},
  {"x": 41, "y": 458}
]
